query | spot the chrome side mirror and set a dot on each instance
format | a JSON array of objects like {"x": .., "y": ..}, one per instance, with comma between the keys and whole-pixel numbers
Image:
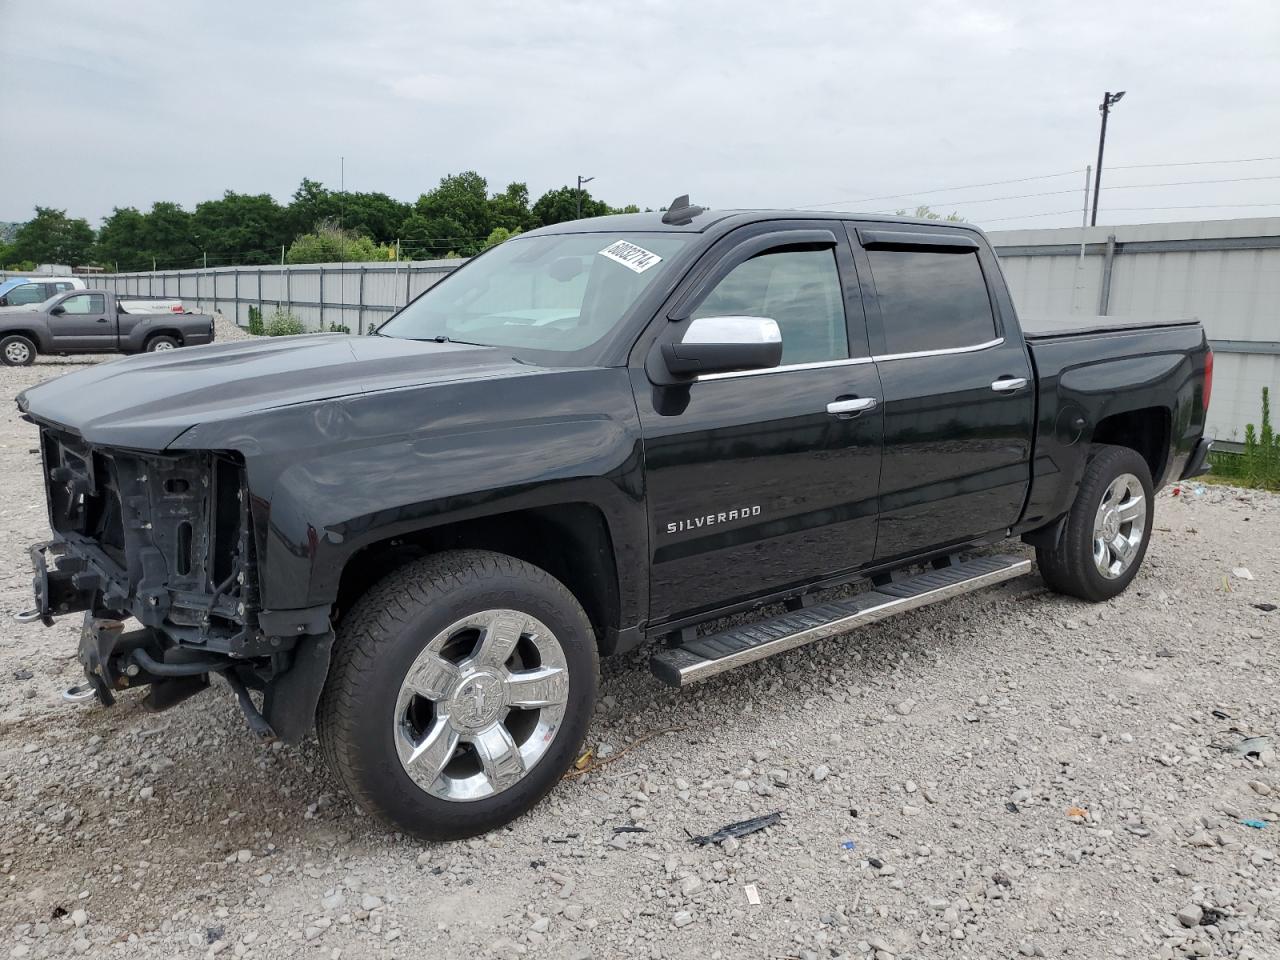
[{"x": 724, "y": 345}]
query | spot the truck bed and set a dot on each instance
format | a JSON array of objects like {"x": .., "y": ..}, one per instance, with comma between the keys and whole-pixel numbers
[{"x": 1065, "y": 325}]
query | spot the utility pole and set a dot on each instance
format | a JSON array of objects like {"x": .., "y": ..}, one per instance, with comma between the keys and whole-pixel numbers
[
  {"x": 342, "y": 188},
  {"x": 1109, "y": 100},
  {"x": 578, "y": 197}
]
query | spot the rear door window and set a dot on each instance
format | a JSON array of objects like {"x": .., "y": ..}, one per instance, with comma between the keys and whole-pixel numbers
[{"x": 931, "y": 300}]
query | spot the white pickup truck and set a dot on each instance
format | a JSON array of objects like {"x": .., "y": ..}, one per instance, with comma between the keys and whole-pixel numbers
[{"x": 30, "y": 292}]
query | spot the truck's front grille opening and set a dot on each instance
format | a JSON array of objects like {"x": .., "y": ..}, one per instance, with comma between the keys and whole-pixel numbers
[{"x": 170, "y": 527}]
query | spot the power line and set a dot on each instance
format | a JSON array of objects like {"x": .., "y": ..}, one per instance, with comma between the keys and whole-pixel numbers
[
  {"x": 1046, "y": 176},
  {"x": 1193, "y": 206},
  {"x": 1029, "y": 216},
  {"x": 917, "y": 193},
  {"x": 1126, "y": 186},
  {"x": 1187, "y": 163}
]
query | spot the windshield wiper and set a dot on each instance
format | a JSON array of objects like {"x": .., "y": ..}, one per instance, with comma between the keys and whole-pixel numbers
[{"x": 442, "y": 338}]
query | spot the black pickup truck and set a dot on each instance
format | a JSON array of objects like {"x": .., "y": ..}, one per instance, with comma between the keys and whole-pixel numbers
[{"x": 596, "y": 434}]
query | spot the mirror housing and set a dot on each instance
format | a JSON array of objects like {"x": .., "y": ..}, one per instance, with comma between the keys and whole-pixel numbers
[
  {"x": 59, "y": 309},
  {"x": 724, "y": 345}
]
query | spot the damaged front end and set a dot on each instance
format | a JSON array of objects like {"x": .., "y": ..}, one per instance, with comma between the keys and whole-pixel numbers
[{"x": 167, "y": 539}]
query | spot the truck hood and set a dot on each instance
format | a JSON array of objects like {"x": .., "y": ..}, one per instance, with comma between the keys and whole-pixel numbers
[{"x": 147, "y": 401}]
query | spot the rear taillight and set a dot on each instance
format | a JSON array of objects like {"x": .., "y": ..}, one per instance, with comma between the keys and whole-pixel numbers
[
  {"x": 1208, "y": 379},
  {"x": 176, "y": 308}
]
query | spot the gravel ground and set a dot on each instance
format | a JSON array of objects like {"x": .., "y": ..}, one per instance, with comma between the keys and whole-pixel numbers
[{"x": 1007, "y": 774}]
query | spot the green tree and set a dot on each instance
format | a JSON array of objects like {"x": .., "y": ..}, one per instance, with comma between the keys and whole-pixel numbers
[
  {"x": 329, "y": 244},
  {"x": 561, "y": 205},
  {"x": 53, "y": 237},
  {"x": 312, "y": 205},
  {"x": 375, "y": 215},
  {"x": 452, "y": 217},
  {"x": 123, "y": 238},
  {"x": 240, "y": 228},
  {"x": 510, "y": 209},
  {"x": 169, "y": 238},
  {"x": 499, "y": 235}
]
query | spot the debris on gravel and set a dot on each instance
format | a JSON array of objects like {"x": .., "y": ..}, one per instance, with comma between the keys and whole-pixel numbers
[{"x": 1134, "y": 737}]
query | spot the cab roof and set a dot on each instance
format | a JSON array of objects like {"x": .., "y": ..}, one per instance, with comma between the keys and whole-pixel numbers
[{"x": 725, "y": 220}]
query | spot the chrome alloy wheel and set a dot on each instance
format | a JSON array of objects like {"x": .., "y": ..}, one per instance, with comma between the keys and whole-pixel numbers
[
  {"x": 481, "y": 705},
  {"x": 163, "y": 345},
  {"x": 1119, "y": 526},
  {"x": 17, "y": 352}
]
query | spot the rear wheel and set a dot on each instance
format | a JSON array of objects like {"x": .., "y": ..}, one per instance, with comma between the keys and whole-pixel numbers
[
  {"x": 1107, "y": 529},
  {"x": 162, "y": 342},
  {"x": 17, "y": 351},
  {"x": 460, "y": 691}
]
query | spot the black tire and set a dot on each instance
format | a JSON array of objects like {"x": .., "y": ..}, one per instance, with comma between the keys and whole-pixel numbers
[
  {"x": 162, "y": 342},
  {"x": 1069, "y": 567},
  {"x": 377, "y": 643},
  {"x": 12, "y": 350}
]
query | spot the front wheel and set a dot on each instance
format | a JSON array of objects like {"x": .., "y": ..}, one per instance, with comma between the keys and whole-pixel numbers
[
  {"x": 1107, "y": 529},
  {"x": 17, "y": 351},
  {"x": 460, "y": 691}
]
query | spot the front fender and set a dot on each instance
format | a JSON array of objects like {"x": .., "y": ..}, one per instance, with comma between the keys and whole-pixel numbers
[{"x": 329, "y": 478}]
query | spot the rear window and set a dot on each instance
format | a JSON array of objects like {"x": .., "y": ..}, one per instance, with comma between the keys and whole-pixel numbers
[{"x": 931, "y": 300}]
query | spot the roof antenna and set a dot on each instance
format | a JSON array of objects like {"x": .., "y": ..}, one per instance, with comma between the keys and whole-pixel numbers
[{"x": 681, "y": 212}]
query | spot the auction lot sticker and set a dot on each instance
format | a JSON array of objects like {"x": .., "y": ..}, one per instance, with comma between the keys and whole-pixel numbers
[{"x": 630, "y": 256}]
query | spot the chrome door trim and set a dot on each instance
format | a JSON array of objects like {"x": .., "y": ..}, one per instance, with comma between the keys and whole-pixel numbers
[
  {"x": 854, "y": 361},
  {"x": 885, "y": 357}
]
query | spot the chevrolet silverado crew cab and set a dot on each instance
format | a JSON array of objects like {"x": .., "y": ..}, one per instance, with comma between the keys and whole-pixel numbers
[
  {"x": 96, "y": 321},
  {"x": 595, "y": 434}
]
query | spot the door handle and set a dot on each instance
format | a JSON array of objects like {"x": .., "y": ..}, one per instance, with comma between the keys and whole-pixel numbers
[
  {"x": 1009, "y": 384},
  {"x": 851, "y": 407},
  {"x": 101, "y": 320}
]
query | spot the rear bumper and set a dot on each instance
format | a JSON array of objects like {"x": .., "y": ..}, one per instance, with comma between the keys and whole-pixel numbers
[{"x": 1198, "y": 462}]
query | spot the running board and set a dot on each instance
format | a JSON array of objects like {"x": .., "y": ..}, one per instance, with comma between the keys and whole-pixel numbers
[{"x": 706, "y": 656}]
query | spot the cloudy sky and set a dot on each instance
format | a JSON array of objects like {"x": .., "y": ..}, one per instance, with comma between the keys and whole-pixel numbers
[{"x": 846, "y": 105}]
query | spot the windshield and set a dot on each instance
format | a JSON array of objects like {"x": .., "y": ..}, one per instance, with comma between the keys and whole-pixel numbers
[
  {"x": 10, "y": 284},
  {"x": 557, "y": 293}
]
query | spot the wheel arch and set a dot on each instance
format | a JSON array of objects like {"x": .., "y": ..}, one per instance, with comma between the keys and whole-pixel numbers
[
  {"x": 1146, "y": 430},
  {"x": 571, "y": 541}
]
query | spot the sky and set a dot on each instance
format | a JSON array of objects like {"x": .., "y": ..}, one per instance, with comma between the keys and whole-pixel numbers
[{"x": 988, "y": 109}]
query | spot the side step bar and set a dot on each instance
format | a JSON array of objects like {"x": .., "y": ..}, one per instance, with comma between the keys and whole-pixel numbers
[{"x": 706, "y": 656}]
